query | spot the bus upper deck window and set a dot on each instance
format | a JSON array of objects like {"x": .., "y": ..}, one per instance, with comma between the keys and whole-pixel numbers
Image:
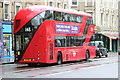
[
  {"x": 49, "y": 15},
  {"x": 73, "y": 18},
  {"x": 79, "y": 19},
  {"x": 89, "y": 21},
  {"x": 37, "y": 20},
  {"x": 58, "y": 43},
  {"x": 58, "y": 16}
]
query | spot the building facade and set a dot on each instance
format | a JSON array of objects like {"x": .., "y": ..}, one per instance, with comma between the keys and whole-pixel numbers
[
  {"x": 105, "y": 17},
  {"x": 8, "y": 9},
  {"x": 107, "y": 23}
]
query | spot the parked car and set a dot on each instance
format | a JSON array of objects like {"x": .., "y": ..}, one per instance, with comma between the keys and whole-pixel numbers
[{"x": 100, "y": 49}]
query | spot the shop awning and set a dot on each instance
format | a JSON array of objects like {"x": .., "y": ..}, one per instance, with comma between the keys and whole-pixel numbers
[{"x": 112, "y": 36}]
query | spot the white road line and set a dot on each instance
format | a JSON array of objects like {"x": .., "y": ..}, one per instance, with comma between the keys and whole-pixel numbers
[
  {"x": 26, "y": 70},
  {"x": 58, "y": 73}
]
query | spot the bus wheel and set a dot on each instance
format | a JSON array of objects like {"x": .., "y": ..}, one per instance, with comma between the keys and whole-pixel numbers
[
  {"x": 87, "y": 56},
  {"x": 59, "y": 59},
  {"x": 106, "y": 55},
  {"x": 99, "y": 56}
]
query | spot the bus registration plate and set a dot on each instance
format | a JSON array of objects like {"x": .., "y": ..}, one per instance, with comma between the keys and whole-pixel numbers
[{"x": 27, "y": 59}]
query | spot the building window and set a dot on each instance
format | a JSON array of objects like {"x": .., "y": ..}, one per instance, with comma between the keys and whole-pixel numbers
[
  {"x": 107, "y": 20},
  {"x": 101, "y": 1},
  {"x": 7, "y": 11},
  {"x": 74, "y": 2},
  {"x": 113, "y": 5},
  {"x": 89, "y": 3},
  {"x": 17, "y": 7},
  {"x": 58, "y": 5},
  {"x": 50, "y": 3},
  {"x": 65, "y": 6},
  {"x": 101, "y": 18},
  {"x": 112, "y": 20},
  {"x": 29, "y": 4}
]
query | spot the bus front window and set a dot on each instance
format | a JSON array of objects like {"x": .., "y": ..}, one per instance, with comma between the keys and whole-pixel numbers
[
  {"x": 27, "y": 40},
  {"x": 18, "y": 42}
]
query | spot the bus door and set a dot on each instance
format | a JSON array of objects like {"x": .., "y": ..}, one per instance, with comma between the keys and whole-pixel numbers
[{"x": 21, "y": 42}]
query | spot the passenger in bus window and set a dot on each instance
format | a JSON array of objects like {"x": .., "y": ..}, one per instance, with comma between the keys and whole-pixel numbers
[
  {"x": 58, "y": 16},
  {"x": 48, "y": 15},
  {"x": 57, "y": 43},
  {"x": 65, "y": 17}
]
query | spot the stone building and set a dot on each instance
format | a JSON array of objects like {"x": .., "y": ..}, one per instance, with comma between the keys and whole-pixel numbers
[
  {"x": 8, "y": 9},
  {"x": 105, "y": 17}
]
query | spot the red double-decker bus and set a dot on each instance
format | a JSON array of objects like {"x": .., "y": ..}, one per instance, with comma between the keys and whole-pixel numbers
[{"x": 52, "y": 35}]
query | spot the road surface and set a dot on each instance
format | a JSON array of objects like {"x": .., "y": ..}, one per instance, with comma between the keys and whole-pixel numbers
[{"x": 95, "y": 68}]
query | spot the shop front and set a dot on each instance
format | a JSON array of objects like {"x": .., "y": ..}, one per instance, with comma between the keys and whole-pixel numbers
[
  {"x": 1, "y": 41},
  {"x": 7, "y": 41},
  {"x": 110, "y": 41}
]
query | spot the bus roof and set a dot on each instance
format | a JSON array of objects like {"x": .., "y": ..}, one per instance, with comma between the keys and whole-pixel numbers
[{"x": 44, "y": 8}]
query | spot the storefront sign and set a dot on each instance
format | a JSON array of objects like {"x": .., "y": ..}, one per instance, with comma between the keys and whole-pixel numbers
[
  {"x": 7, "y": 28},
  {"x": 8, "y": 55},
  {"x": 71, "y": 29}
]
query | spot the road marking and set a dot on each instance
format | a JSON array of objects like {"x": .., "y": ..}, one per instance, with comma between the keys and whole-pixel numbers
[
  {"x": 78, "y": 64},
  {"x": 58, "y": 73},
  {"x": 72, "y": 69},
  {"x": 26, "y": 70}
]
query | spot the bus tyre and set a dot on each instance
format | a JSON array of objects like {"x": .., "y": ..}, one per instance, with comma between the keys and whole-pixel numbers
[
  {"x": 106, "y": 55},
  {"x": 59, "y": 59},
  {"x": 99, "y": 56},
  {"x": 87, "y": 56}
]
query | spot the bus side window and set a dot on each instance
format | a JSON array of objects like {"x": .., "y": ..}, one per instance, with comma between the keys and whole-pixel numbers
[
  {"x": 79, "y": 19},
  {"x": 89, "y": 21},
  {"x": 87, "y": 25},
  {"x": 73, "y": 18},
  {"x": 49, "y": 15},
  {"x": 65, "y": 17},
  {"x": 58, "y": 16},
  {"x": 57, "y": 43},
  {"x": 37, "y": 20}
]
